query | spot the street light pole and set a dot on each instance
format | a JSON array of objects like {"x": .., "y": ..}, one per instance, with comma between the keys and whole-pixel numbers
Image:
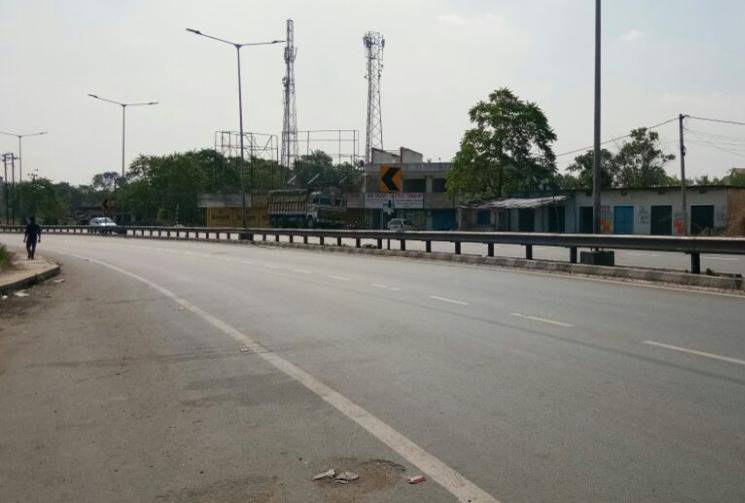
[
  {"x": 124, "y": 123},
  {"x": 20, "y": 149},
  {"x": 124, "y": 128},
  {"x": 238, "y": 47},
  {"x": 596, "y": 172}
]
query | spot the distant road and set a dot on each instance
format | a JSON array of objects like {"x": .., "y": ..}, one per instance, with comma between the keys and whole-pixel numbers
[{"x": 505, "y": 385}]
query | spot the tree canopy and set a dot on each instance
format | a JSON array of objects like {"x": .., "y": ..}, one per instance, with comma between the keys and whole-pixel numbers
[{"x": 508, "y": 150}]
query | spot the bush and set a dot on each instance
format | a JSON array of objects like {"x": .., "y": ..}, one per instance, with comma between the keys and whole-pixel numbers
[{"x": 4, "y": 258}]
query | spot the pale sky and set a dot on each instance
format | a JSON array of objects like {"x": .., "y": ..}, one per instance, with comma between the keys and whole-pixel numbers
[{"x": 661, "y": 58}]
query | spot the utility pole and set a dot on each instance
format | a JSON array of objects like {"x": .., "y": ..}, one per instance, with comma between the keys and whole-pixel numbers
[
  {"x": 683, "y": 183},
  {"x": 596, "y": 173}
]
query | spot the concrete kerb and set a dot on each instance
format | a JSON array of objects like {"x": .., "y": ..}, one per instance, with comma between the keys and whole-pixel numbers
[
  {"x": 617, "y": 272},
  {"x": 29, "y": 279}
]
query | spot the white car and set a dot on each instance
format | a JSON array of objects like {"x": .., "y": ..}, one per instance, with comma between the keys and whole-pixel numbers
[
  {"x": 400, "y": 225},
  {"x": 102, "y": 225}
]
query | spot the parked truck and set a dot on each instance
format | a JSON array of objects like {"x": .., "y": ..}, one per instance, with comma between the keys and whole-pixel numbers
[{"x": 306, "y": 208}]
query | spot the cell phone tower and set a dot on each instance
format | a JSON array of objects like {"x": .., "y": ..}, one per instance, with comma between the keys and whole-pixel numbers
[
  {"x": 289, "y": 121},
  {"x": 374, "y": 45}
]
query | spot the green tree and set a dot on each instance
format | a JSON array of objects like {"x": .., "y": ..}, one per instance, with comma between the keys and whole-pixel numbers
[
  {"x": 40, "y": 198},
  {"x": 509, "y": 149},
  {"x": 735, "y": 177},
  {"x": 106, "y": 181},
  {"x": 641, "y": 162},
  {"x": 583, "y": 166}
]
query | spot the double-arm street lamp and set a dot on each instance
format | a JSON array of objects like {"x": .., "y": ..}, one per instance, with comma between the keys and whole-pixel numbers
[
  {"x": 20, "y": 149},
  {"x": 238, "y": 47},
  {"x": 124, "y": 117}
]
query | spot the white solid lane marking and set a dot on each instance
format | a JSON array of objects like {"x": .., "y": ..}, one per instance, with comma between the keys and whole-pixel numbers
[
  {"x": 451, "y": 301},
  {"x": 731, "y": 259},
  {"x": 642, "y": 254},
  {"x": 455, "y": 483},
  {"x": 378, "y": 285},
  {"x": 338, "y": 278},
  {"x": 543, "y": 320},
  {"x": 697, "y": 353}
]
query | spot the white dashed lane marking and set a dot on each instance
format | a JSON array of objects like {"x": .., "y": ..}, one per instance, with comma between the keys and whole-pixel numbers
[
  {"x": 338, "y": 278},
  {"x": 543, "y": 320},
  {"x": 697, "y": 353},
  {"x": 451, "y": 301}
]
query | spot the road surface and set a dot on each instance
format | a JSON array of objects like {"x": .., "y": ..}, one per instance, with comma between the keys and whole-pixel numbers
[{"x": 182, "y": 371}]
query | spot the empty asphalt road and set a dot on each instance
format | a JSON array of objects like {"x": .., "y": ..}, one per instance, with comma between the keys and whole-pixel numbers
[{"x": 182, "y": 371}]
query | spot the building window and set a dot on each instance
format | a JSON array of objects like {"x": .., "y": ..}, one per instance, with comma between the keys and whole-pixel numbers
[
  {"x": 438, "y": 185},
  {"x": 415, "y": 185},
  {"x": 483, "y": 218}
]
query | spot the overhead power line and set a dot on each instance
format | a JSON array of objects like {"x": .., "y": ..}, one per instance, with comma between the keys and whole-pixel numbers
[
  {"x": 720, "y": 121},
  {"x": 585, "y": 149}
]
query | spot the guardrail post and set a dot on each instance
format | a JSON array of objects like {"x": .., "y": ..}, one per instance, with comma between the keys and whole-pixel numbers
[
  {"x": 305, "y": 239},
  {"x": 321, "y": 240},
  {"x": 457, "y": 247},
  {"x": 490, "y": 249},
  {"x": 338, "y": 241},
  {"x": 380, "y": 244},
  {"x": 696, "y": 263},
  {"x": 573, "y": 254},
  {"x": 263, "y": 237},
  {"x": 276, "y": 238},
  {"x": 428, "y": 246},
  {"x": 292, "y": 238},
  {"x": 358, "y": 242},
  {"x": 529, "y": 252},
  {"x": 403, "y": 244}
]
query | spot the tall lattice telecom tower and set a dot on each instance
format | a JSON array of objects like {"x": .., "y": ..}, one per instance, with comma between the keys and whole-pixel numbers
[
  {"x": 374, "y": 45},
  {"x": 289, "y": 122}
]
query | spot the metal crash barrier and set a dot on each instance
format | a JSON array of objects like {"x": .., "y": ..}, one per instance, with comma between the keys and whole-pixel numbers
[{"x": 693, "y": 246}]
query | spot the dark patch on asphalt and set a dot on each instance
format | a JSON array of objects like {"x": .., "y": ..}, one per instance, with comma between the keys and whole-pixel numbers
[
  {"x": 375, "y": 475},
  {"x": 254, "y": 489},
  {"x": 209, "y": 354}
]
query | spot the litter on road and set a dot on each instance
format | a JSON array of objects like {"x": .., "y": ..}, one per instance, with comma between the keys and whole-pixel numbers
[
  {"x": 418, "y": 479},
  {"x": 325, "y": 475},
  {"x": 346, "y": 477},
  {"x": 21, "y": 293}
]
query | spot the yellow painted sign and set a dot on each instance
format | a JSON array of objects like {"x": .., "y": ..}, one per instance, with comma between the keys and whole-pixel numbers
[{"x": 391, "y": 179}]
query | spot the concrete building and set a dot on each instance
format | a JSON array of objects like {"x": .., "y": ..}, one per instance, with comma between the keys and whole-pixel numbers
[
  {"x": 656, "y": 211},
  {"x": 422, "y": 198}
]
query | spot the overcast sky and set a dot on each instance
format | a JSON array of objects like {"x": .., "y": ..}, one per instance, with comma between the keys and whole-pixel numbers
[{"x": 661, "y": 58}]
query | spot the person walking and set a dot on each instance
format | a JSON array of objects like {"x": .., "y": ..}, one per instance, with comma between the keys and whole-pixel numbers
[{"x": 31, "y": 237}]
